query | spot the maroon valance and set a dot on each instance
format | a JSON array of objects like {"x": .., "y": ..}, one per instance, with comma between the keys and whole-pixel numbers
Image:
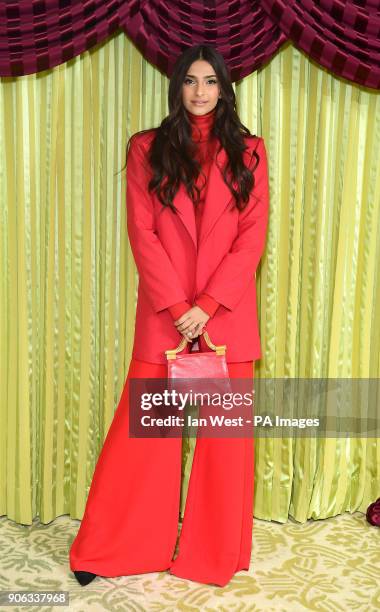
[
  {"x": 240, "y": 30},
  {"x": 36, "y": 35},
  {"x": 343, "y": 37}
]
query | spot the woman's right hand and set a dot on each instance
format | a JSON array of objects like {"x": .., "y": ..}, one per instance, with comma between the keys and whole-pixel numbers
[{"x": 192, "y": 322}]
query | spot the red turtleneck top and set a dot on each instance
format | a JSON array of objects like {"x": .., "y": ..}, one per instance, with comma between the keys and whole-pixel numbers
[{"x": 200, "y": 133}]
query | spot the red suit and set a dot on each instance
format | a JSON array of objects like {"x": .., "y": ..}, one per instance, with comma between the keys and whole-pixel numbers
[
  {"x": 176, "y": 265},
  {"x": 207, "y": 256}
]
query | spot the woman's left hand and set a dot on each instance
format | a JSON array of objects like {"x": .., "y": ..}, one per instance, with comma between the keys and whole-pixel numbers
[{"x": 192, "y": 322}]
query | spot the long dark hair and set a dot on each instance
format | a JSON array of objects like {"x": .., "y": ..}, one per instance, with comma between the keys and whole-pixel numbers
[{"x": 171, "y": 153}]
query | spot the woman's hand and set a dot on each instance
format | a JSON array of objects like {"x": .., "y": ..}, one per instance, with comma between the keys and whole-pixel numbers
[{"x": 192, "y": 322}]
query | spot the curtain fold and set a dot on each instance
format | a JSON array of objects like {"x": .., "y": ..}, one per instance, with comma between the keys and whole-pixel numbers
[
  {"x": 245, "y": 35},
  {"x": 341, "y": 36},
  {"x": 36, "y": 36},
  {"x": 68, "y": 279}
]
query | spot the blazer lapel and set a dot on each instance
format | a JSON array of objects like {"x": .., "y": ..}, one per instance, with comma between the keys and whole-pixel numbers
[
  {"x": 185, "y": 208},
  {"x": 217, "y": 198}
]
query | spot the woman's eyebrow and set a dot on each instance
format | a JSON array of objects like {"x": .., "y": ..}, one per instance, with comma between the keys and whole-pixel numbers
[{"x": 205, "y": 77}]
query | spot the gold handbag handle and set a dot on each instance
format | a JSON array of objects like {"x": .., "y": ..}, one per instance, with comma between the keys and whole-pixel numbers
[{"x": 220, "y": 349}]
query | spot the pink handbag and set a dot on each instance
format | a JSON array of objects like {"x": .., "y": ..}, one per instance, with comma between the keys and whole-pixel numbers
[
  {"x": 207, "y": 374},
  {"x": 210, "y": 368}
]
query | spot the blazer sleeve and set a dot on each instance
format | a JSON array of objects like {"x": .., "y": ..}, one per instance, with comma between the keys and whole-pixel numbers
[
  {"x": 177, "y": 310},
  {"x": 156, "y": 271},
  {"x": 230, "y": 280},
  {"x": 207, "y": 303}
]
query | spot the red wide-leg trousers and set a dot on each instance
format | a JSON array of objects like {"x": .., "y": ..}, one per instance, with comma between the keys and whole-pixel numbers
[{"x": 130, "y": 523}]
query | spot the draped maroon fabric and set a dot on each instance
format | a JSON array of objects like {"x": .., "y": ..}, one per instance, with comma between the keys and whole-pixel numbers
[
  {"x": 37, "y": 35},
  {"x": 342, "y": 36},
  {"x": 240, "y": 30}
]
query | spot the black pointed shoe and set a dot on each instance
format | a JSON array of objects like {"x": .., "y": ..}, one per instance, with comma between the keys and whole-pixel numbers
[{"x": 84, "y": 577}]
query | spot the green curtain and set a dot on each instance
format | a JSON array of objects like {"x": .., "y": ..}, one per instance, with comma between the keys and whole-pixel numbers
[{"x": 68, "y": 280}]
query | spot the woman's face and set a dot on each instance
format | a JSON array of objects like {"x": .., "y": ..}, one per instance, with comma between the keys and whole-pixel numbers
[{"x": 200, "y": 89}]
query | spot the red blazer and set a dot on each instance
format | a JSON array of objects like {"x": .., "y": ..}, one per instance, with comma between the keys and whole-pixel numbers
[{"x": 175, "y": 266}]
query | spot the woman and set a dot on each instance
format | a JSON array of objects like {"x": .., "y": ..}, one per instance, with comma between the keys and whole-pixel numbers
[{"x": 197, "y": 213}]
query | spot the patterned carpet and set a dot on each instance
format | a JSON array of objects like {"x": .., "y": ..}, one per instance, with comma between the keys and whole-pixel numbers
[{"x": 332, "y": 564}]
